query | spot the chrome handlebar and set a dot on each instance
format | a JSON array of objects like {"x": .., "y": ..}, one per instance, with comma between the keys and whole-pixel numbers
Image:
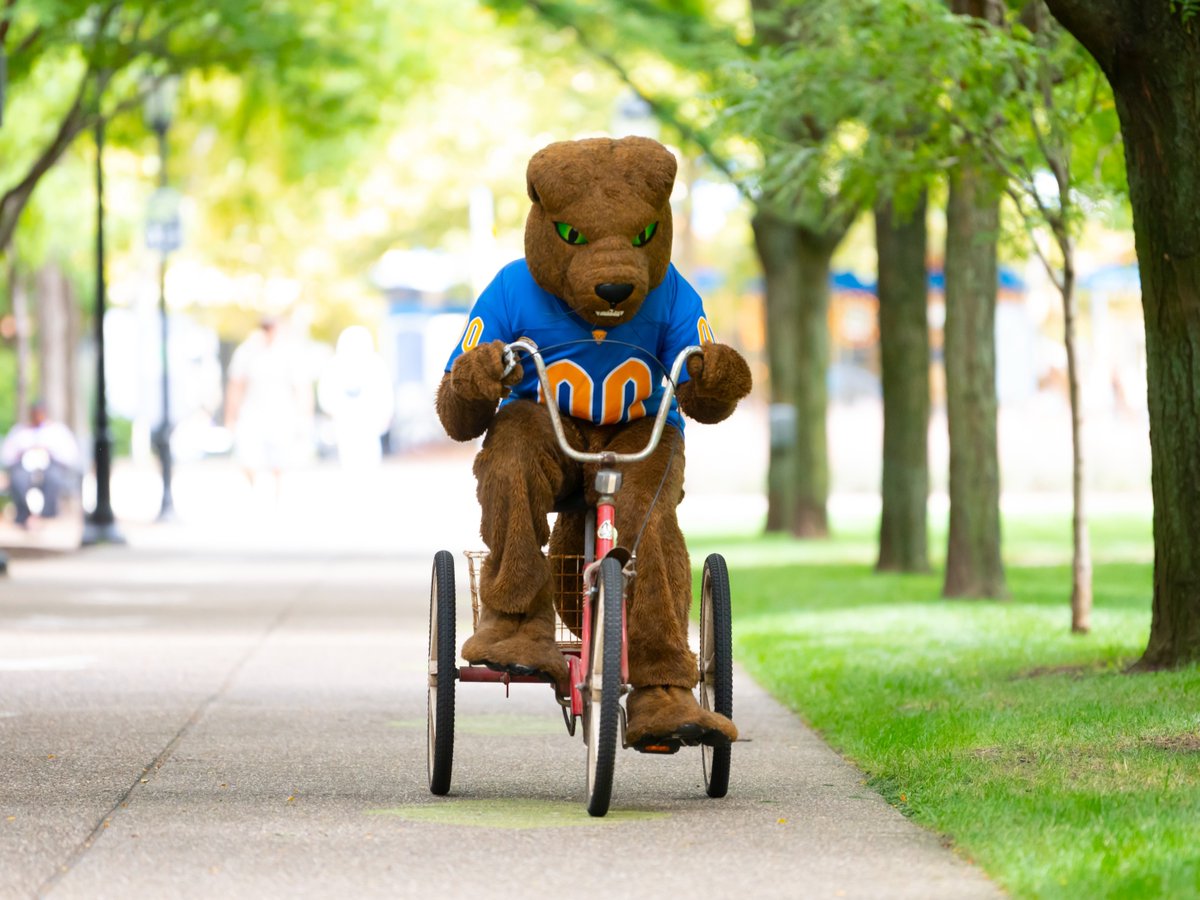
[{"x": 604, "y": 457}]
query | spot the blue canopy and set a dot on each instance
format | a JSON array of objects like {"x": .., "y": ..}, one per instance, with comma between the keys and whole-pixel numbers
[{"x": 1008, "y": 280}]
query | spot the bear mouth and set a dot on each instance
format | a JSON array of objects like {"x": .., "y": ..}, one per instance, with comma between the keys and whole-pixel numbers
[{"x": 609, "y": 313}]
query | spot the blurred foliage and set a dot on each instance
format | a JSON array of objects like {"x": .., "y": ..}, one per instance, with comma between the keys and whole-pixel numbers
[
  {"x": 8, "y": 388},
  {"x": 894, "y": 93},
  {"x": 311, "y": 138},
  {"x": 1185, "y": 9},
  {"x": 667, "y": 52},
  {"x": 476, "y": 111},
  {"x": 311, "y": 78}
]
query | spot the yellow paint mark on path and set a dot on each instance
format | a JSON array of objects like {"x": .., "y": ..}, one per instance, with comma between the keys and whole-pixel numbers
[{"x": 516, "y": 814}]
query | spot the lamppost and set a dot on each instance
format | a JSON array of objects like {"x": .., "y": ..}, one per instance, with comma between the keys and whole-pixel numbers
[
  {"x": 100, "y": 526},
  {"x": 163, "y": 235}
]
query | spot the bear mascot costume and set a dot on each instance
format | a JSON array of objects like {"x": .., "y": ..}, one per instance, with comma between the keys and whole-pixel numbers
[{"x": 597, "y": 293}]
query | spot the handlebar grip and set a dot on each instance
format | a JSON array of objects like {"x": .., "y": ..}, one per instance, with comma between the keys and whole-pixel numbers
[{"x": 510, "y": 362}]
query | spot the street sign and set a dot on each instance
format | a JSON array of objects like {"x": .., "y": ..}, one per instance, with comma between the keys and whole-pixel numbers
[{"x": 164, "y": 230}]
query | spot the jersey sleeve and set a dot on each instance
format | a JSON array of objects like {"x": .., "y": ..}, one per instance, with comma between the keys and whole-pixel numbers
[
  {"x": 688, "y": 324},
  {"x": 487, "y": 321}
]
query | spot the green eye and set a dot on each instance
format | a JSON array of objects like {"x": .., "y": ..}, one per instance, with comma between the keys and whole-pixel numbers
[
  {"x": 569, "y": 234},
  {"x": 646, "y": 234}
]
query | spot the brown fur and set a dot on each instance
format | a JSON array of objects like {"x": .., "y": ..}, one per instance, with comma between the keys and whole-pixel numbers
[{"x": 609, "y": 192}]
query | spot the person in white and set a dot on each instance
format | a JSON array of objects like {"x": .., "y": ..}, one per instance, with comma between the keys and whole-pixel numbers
[
  {"x": 355, "y": 390},
  {"x": 268, "y": 403},
  {"x": 42, "y": 454}
]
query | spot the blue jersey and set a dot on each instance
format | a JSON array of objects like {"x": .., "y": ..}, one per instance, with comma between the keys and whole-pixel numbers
[{"x": 600, "y": 375}]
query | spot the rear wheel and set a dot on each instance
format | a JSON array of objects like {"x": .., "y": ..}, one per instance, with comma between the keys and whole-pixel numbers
[
  {"x": 716, "y": 666},
  {"x": 442, "y": 673},
  {"x": 602, "y": 687}
]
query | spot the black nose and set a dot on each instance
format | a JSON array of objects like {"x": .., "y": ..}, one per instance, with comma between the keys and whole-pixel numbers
[{"x": 613, "y": 293}]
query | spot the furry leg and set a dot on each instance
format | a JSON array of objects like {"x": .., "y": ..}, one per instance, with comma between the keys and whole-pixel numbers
[{"x": 520, "y": 471}]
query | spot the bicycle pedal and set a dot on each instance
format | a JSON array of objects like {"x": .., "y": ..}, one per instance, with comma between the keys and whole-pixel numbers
[{"x": 664, "y": 748}]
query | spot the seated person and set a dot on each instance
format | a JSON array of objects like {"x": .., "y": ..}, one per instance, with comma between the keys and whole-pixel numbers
[{"x": 43, "y": 454}]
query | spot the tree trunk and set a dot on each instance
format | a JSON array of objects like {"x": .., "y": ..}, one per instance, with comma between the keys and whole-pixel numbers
[
  {"x": 904, "y": 364},
  {"x": 57, "y": 340},
  {"x": 973, "y": 564},
  {"x": 814, "y": 253},
  {"x": 774, "y": 240},
  {"x": 1081, "y": 567},
  {"x": 23, "y": 328},
  {"x": 795, "y": 265},
  {"x": 1156, "y": 86}
]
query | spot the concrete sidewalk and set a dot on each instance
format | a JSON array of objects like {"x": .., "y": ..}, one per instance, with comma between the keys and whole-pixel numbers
[{"x": 221, "y": 713}]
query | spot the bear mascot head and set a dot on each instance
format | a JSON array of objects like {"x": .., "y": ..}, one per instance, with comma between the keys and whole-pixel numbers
[{"x": 601, "y": 242}]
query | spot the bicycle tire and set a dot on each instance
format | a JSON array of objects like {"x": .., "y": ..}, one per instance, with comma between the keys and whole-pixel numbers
[
  {"x": 603, "y": 702},
  {"x": 442, "y": 674},
  {"x": 716, "y": 666}
]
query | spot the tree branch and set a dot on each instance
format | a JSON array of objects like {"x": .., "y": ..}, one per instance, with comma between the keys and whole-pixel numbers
[
  {"x": 1097, "y": 24},
  {"x": 6, "y": 20},
  {"x": 664, "y": 110},
  {"x": 12, "y": 204},
  {"x": 28, "y": 42},
  {"x": 1051, "y": 269}
]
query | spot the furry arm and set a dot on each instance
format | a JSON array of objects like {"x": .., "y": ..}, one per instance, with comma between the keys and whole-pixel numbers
[
  {"x": 719, "y": 379},
  {"x": 469, "y": 392}
]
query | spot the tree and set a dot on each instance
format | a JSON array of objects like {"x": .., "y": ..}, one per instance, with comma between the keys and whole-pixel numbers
[
  {"x": 973, "y": 564},
  {"x": 862, "y": 75},
  {"x": 1149, "y": 50},
  {"x": 805, "y": 213},
  {"x": 1060, "y": 123}
]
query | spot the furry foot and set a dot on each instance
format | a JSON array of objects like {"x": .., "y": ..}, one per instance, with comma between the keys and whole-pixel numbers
[
  {"x": 517, "y": 644},
  {"x": 664, "y": 716}
]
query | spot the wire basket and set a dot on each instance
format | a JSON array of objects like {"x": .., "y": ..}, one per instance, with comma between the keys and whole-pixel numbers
[{"x": 566, "y": 572}]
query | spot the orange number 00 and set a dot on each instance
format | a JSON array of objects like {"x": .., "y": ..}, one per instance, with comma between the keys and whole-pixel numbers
[{"x": 622, "y": 395}]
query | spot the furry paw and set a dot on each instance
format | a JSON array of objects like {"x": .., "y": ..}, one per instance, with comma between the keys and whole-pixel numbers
[
  {"x": 518, "y": 644},
  {"x": 720, "y": 373},
  {"x": 664, "y": 715},
  {"x": 719, "y": 379},
  {"x": 479, "y": 373}
]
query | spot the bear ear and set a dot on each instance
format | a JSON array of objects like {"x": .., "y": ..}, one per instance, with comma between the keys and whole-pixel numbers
[
  {"x": 559, "y": 172},
  {"x": 548, "y": 170},
  {"x": 653, "y": 162},
  {"x": 532, "y": 172}
]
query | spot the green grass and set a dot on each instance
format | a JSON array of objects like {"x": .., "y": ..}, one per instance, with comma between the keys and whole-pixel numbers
[{"x": 989, "y": 722}]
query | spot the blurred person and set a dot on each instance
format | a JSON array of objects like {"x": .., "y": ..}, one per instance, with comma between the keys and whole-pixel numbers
[
  {"x": 42, "y": 454},
  {"x": 268, "y": 403},
  {"x": 355, "y": 390}
]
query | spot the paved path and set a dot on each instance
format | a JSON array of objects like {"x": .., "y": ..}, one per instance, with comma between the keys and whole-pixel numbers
[{"x": 205, "y": 714}]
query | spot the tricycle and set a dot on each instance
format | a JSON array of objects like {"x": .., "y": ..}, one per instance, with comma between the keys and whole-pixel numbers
[{"x": 591, "y": 625}]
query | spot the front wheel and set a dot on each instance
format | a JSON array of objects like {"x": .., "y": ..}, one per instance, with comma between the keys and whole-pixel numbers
[
  {"x": 602, "y": 687},
  {"x": 716, "y": 666},
  {"x": 442, "y": 674}
]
